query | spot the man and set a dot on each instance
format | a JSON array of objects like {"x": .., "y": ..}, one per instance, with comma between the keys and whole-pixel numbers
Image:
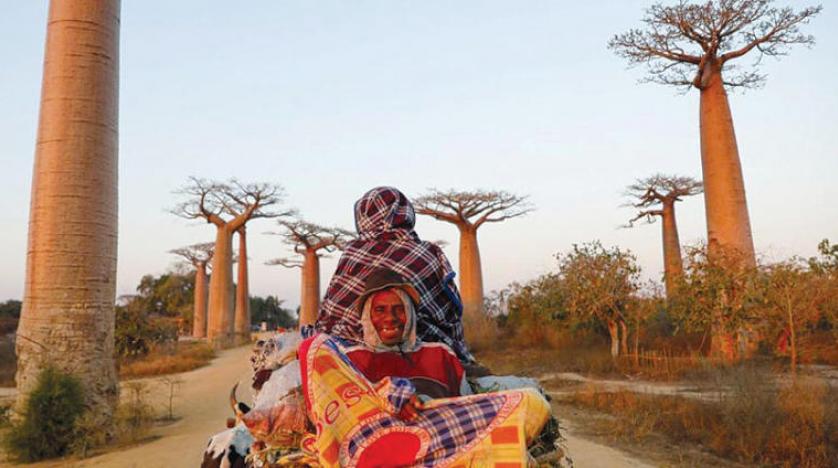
[{"x": 384, "y": 219}]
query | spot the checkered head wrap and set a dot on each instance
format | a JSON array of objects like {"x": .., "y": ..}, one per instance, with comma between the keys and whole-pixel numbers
[{"x": 384, "y": 218}]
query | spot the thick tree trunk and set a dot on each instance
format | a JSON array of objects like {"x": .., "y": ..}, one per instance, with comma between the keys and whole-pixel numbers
[
  {"x": 199, "y": 315},
  {"x": 728, "y": 223},
  {"x": 613, "y": 332},
  {"x": 471, "y": 274},
  {"x": 220, "y": 310},
  {"x": 242, "y": 316},
  {"x": 310, "y": 300},
  {"x": 673, "y": 265},
  {"x": 68, "y": 304}
]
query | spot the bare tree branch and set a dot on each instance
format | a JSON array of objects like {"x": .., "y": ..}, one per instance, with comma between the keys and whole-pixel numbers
[
  {"x": 238, "y": 202},
  {"x": 302, "y": 235},
  {"x": 285, "y": 262},
  {"x": 678, "y": 41},
  {"x": 196, "y": 254},
  {"x": 471, "y": 209},
  {"x": 651, "y": 194}
]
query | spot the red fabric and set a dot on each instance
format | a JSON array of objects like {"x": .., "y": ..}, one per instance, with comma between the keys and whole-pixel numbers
[
  {"x": 301, "y": 352},
  {"x": 391, "y": 450},
  {"x": 432, "y": 362}
]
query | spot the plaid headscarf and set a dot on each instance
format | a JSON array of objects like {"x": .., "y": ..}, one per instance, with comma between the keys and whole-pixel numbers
[{"x": 384, "y": 219}]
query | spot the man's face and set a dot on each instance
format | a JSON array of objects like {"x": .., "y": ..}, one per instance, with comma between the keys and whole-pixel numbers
[{"x": 388, "y": 316}]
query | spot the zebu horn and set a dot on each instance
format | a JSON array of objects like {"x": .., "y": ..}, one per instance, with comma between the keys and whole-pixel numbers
[{"x": 234, "y": 402}]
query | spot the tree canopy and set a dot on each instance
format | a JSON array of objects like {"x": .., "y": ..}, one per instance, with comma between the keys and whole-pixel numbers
[
  {"x": 472, "y": 208},
  {"x": 678, "y": 42}
]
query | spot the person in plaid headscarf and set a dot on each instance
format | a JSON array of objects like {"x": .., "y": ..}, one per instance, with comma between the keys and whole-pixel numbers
[{"x": 384, "y": 219}]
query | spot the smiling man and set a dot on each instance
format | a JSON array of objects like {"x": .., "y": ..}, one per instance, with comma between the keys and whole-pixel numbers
[{"x": 390, "y": 347}]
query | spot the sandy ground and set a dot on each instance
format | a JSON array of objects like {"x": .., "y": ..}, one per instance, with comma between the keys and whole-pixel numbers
[
  {"x": 202, "y": 405},
  {"x": 586, "y": 453}
]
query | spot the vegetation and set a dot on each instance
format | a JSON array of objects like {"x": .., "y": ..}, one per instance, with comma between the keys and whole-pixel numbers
[
  {"x": 9, "y": 316},
  {"x": 269, "y": 310},
  {"x": 161, "y": 307},
  {"x": 165, "y": 359},
  {"x": 47, "y": 428},
  {"x": 753, "y": 421},
  {"x": 148, "y": 325},
  {"x": 595, "y": 291}
]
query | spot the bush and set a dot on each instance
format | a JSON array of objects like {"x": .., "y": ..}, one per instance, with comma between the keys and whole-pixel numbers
[
  {"x": 137, "y": 331},
  {"x": 47, "y": 429},
  {"x": 134, "y": 415}
]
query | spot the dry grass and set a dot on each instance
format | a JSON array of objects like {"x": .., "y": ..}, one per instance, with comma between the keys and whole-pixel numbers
[
  {"x": 753, "y": 423},
  {"x": 505, "y": 359},
  {"x": 161, "y": 361},
  {"x": 481, "y": 332}
]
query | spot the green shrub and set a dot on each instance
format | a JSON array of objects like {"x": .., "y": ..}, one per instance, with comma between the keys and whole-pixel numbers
[
  {"x": 134, "y": 416},
  {"x": 47, "y": 429}
]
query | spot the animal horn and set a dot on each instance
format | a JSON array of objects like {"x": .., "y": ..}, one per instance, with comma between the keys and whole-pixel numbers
[{"x": 234, "y": 402}]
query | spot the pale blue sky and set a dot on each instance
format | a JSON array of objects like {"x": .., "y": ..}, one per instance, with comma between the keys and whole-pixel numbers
[{"x": 330, "y": 98}]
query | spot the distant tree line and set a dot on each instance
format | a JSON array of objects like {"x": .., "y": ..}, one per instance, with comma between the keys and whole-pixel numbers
[
  {"x": 162, "y": 309},
  {"x": 597, "y": 290},
  {"x": 9, "y": 315}
]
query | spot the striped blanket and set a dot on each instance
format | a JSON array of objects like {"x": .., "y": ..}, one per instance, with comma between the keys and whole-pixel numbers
[{"x": 357, "y": 424}]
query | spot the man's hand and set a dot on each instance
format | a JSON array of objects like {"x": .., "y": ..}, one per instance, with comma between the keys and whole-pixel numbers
[{"x": 411, "y": 409}]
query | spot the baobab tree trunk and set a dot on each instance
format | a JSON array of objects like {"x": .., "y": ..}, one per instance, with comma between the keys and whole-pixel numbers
[
  {"x": 615, "y": 338},
  {"x": 220, "y": 310},
  {"x": 726, "y": 208},
  {"x": 471, "y": 274},
  {"x": 199, "y": 314},
  {"x": 67, "y": 319},
  {"x": 672, "y": 262},
  {"x": 242, "y": 316},
  {"x": 310, "y": 300}
]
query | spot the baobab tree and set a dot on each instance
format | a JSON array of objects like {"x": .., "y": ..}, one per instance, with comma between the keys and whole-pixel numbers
[
  {"x": 694, "y": 45},
  {"x": 67, "y": 319},
  {"x": 241, "y": 321},
  {"x": 655, "y": 197},
  {"x": 199, "y": 256},
  {"x": 468, "y": 211},
  {"x": 228, "y": 206},
  {"x": 308, "y": 240}
]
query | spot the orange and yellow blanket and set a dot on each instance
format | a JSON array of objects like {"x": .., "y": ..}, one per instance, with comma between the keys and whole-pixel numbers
[{"x": 357, "y": 422}]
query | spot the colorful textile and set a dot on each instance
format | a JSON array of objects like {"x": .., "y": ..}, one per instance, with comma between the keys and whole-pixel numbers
[
  {"x": 384, "y": 219},
  {"x": 356, "y": 422}
]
